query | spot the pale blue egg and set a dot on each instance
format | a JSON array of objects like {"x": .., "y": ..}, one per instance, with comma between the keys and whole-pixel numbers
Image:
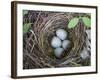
[
  {"x": 61, "y": 33},
  {"x": 55, "y": 42},
  {"x": 58, "y": 52},
  {"x": 66, "y": 44}
]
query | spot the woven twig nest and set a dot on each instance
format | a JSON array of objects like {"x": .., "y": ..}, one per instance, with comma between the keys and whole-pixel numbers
[{"x": 38, "y": 50}]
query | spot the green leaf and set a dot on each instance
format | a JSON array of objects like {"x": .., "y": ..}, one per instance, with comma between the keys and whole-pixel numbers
[
  {"x": 26, "y": 27},
  {"x": 86, "y": 21},
  {"x": 73, "y": 22},
  {"x": 25, "y": 12}
]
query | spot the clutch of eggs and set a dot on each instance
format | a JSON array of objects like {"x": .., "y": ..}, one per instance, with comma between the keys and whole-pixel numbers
[{"x": 59, "y": 43}]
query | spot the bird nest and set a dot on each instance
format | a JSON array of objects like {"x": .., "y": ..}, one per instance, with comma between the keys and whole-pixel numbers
[{"x": 38, "y": 52}]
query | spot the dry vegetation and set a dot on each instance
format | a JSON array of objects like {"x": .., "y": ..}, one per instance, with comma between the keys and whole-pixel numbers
[{"x": 37, "y": 50}]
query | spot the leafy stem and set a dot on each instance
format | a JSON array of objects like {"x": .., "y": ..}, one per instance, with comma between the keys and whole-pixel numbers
[{"x": 74, "y": 21}]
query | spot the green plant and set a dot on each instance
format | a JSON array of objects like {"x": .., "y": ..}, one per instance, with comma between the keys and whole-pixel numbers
[
  {"x": 25, "y": 12},
  {"x": 26, "y": 27},
  {"x": 74, "y": 21}
]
